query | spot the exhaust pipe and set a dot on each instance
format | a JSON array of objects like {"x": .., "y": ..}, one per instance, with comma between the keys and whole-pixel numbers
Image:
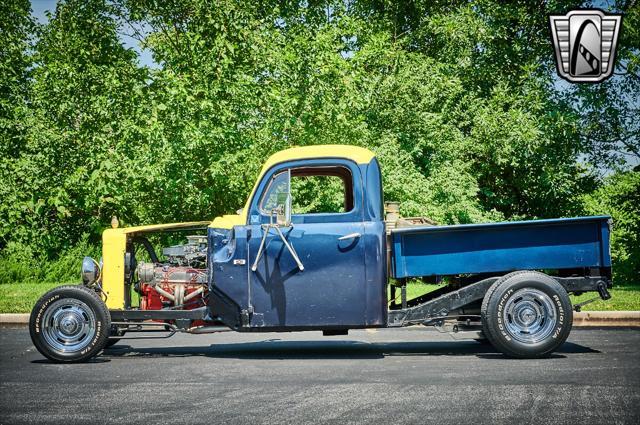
[{"x": 207, "y": 329}]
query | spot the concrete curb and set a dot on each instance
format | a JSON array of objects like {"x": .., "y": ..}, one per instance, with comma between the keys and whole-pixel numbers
[
  {"x": 606, "y": 318},
  {"x": 14, "y": 319},
  {"x": 583, "y": 319}
]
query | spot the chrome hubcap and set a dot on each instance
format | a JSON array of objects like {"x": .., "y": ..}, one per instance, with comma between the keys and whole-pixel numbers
[
  {"x": 529, "y": 316},
  {"x": 68, "y": 325}
]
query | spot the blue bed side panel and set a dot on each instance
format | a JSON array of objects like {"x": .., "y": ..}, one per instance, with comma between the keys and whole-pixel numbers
[{"x": 498, "y": 247}]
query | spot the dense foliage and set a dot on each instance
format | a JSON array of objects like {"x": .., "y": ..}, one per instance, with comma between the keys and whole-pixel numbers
[
  {"x": 620, "y": 197},
  {"x": 459, "y": 100}
]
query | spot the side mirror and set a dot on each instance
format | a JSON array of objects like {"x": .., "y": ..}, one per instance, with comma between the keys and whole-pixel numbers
[
  {"x": 283, "y": 209},
  {"x": 283, "y": 212}
]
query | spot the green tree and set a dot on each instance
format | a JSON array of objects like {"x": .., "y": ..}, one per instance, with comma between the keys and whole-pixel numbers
[
  {"x": 16, "y": 36},
  {"x": 620, "y": 198},
  {"x": 459, "y": 100},
  {"x": 70, "y": 171},
  {"x": 608, "y": 112}
]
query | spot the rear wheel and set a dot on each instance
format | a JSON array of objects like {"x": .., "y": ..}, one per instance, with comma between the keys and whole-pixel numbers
[
  {"x": 70, "y": 324},
  {"x": 526, "y": 314}
]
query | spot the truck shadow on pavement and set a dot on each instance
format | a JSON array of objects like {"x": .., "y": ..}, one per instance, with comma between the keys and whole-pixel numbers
[{"x": 278, "y": 349}]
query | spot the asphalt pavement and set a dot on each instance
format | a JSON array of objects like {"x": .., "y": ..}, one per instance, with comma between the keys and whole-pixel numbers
[{"x": 394, "y": 376}]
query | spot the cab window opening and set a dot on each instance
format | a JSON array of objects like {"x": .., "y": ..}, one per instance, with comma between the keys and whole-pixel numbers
[{"x": 314, "y": 190}]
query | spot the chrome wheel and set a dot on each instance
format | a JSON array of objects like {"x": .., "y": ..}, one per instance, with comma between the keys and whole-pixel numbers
[
  {"x": 529, "y": 316},
  {"x": 68, "y": 325}
]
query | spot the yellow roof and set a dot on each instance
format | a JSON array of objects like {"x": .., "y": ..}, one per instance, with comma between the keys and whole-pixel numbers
[{"x": 355, "y": 153}]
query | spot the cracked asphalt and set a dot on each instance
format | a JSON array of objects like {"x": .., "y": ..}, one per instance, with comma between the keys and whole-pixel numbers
[{"x": 413, "y": 375}]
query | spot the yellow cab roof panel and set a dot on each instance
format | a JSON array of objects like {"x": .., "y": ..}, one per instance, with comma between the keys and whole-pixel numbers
[{"x": 355, "y": 153}]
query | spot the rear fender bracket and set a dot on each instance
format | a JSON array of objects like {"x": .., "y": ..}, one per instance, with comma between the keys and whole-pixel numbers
[{"x": 441, "y": 306}]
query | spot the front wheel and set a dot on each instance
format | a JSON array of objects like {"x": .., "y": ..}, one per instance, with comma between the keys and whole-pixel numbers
[
  {"x": 70, "y": 324},
  {"x": 526, "y": 315}
]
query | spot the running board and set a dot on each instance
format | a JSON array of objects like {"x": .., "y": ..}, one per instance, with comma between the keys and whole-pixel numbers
[{"x": 140, "y": 315}]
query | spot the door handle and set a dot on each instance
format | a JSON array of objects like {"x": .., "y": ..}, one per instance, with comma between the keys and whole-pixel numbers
[{"x": 349, "y": 236}]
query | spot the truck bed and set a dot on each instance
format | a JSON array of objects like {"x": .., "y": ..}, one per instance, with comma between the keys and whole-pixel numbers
[{"x": 566, "y": 243}]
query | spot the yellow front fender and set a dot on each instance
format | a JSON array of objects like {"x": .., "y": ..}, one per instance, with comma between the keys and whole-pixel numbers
[{"x": 114, "y": 245}]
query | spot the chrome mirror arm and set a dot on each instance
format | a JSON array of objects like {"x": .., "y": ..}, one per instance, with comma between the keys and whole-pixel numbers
[
  {"x": 265, "y": 231},
  {"x": 266, "y": 228},
  {"x": 292, "y": 251}
]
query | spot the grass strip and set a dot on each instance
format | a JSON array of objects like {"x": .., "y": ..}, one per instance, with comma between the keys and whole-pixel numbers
[{"x": 20, "y": 297}]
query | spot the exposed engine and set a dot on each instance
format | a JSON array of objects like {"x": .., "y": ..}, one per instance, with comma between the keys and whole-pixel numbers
[
  {"x": 180, "y": 281},
  {"x": 193, "y": 253}
]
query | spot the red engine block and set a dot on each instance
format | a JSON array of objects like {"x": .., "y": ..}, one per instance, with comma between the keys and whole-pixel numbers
[{"x": 177, "y": 287}]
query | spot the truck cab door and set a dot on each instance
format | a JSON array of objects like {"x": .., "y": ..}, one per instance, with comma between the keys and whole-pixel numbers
[{"x": 327, "y": 287}]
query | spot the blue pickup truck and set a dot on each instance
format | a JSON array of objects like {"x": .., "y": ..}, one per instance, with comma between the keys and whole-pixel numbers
[{"x": 311, "y": 250}]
